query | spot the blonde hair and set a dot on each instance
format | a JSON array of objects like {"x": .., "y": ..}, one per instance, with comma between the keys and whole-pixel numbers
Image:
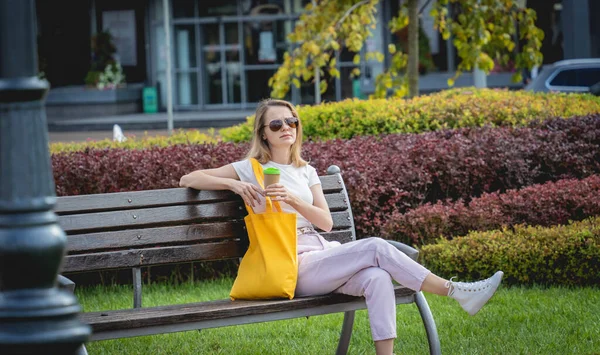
[{"x": 259, "y": 148}]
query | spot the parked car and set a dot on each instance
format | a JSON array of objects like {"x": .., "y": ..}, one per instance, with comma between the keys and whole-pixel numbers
[{"x": 573, "y": 75}]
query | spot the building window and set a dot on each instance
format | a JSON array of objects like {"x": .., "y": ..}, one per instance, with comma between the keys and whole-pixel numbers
[
  {"x": 225, "y": 51},
  {"x": 214, "y": 8}
]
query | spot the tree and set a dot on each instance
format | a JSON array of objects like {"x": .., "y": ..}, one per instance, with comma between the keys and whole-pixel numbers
[
  {"x": 484, "y": 32},
  {"x": 412, "y": 71}
]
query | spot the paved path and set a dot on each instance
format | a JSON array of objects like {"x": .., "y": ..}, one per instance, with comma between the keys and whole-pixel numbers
[
  {"x": 100, "y": 135},
  {"x": 99, "y": 128},
  {"x": 157, "y": 121}
]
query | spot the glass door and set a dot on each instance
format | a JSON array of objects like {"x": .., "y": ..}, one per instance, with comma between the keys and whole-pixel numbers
[
  {"x": 186, "y": 69},
  {"x": 222, "y": 64},
  {"x": 264, "y": 46}
]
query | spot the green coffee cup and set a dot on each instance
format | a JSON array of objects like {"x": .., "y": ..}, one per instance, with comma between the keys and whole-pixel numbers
[{"x": 271, "y": 176}]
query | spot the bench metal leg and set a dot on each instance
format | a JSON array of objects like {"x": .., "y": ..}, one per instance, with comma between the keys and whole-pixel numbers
[
  {"x": 430, "y": 328},
  {"x": 81, "y": 351},
  {"x": 342, "y": 348},
  {"x": 137, "y": 287}
]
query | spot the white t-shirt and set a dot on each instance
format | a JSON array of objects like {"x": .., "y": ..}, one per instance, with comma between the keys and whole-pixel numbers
[{"x": 298, "y": 180}]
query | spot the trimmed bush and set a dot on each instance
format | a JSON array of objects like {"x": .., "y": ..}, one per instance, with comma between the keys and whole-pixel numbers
[
  {"x": 562, "y": 255},
  {"x": 455, "y": 108},
  {"x": 396, "y": 173},
  {"x": 178, "y": 137},
  {"x": 544, "y": 205},
  {"x": 94, "y": 171},
  {"x": 383, "y": 175}
]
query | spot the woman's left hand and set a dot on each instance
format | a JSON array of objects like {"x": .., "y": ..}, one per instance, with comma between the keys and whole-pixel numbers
[{"x": 278, "y": 192}]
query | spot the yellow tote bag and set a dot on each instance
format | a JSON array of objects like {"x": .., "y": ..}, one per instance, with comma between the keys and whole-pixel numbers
[{"x": 269, "y": 269}]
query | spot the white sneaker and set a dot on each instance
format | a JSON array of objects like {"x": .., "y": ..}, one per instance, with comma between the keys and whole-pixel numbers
[{"x": 473, "y": 295}]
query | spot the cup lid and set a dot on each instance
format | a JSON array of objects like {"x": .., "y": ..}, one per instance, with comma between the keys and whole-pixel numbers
[{"x": 271, "y": 171}]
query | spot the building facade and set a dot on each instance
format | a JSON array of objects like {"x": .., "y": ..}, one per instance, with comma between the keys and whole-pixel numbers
[{"x": 223, "y": 52}]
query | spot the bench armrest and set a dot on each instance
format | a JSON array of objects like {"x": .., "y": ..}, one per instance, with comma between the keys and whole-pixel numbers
[
  {"x": 410, "y": 251},
  {"x": 65, "y": 283}
]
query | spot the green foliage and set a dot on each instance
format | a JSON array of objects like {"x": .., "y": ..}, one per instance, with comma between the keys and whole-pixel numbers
[
  {"x": 179, "y": 137},
  {"x": 485, "y": 30},
  {"x": 111, "y": 77},
  {"x": 394, "y": 78},
  {"x": 92, "y": 77},
  {"x": 562, "y": 255},
  {"x": 320, "y": 31},
  {"x": 242, "y": 132},
  {"x": 455, "y": 108},
  {"x": 103, "y": 49}
]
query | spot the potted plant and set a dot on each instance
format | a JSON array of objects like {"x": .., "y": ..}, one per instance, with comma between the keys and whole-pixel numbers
[{"x": 105, "y": 71}]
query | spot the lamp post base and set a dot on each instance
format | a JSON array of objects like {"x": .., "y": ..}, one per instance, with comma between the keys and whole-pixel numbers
[{"x": 37, "y": 321}]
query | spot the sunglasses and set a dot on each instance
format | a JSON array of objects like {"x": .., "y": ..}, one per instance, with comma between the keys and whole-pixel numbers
[{"x": 276, "y": 125}]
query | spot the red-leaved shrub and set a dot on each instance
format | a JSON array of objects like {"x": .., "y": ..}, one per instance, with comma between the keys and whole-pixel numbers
[
  {"x": 396, "y": 173},
  {"x": 548, "y": 204},
  {"x": 386, "y": 174},
  {"x": 96, "y": 171}
]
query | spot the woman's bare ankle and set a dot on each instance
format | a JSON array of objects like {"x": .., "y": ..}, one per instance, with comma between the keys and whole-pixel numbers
[{"x": 435, "y": 284}]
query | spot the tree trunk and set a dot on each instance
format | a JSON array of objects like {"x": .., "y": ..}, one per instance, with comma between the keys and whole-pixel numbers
[{"x": 412, "y": 70}]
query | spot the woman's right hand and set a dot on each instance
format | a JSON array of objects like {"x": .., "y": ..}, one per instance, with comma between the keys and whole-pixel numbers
[{"x": 248, "y": 191}]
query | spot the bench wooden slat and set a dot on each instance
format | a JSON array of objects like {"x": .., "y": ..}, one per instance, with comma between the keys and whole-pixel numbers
[
  {"x": 337, "y": 202},
  {"x": 157, "y": 198},
  {"x": 194, "y": 312},
  {"x": 174, "y": 235},
  {"x": 149, "y": 217},
  {"x": 137, "y": 199},
  {"x": 343, "y": 236},
  {"x": 153, "y": 256},
  {"x": 139, "y": 238},
  {"x": 162, "y": 216},
  {"x": 330, "y": 184},
  {"x": 341, "y": 220},
  {"x": 167, "y": 254}
]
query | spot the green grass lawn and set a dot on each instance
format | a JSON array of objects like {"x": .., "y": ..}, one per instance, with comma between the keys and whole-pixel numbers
[{"x": 517, "y": 320}]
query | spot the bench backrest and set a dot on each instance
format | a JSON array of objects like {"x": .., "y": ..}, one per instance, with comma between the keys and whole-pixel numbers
[{"x": 179, "y": 225}]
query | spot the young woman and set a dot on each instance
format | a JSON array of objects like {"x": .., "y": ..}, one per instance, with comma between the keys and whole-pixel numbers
[{"x": 364, "y": 267}]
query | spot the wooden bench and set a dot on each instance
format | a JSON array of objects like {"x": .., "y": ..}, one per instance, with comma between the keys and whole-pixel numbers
[{"x": 131, "y": 230}]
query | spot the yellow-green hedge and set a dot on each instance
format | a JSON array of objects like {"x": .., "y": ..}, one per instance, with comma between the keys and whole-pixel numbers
[
  {"x": 560, "y": 255},
  {"x": 133, "y": 142},
  {"x": 455, "y": 108}
]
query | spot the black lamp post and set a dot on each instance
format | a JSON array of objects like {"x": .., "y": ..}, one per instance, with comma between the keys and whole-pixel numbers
[{"x": 35, "y": 316}]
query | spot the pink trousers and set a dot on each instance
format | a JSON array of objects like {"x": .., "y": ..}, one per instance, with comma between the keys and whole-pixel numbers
[{"x": 364, "y": 267}]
